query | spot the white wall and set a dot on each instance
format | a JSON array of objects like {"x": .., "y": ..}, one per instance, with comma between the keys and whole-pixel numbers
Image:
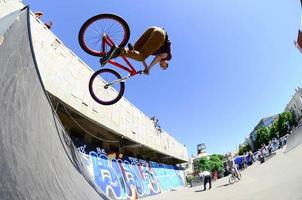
[{"x": 66, "y": 76}]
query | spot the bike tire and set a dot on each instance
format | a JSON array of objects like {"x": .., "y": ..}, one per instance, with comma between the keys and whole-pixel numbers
[
  {"x": 232, "y": 179},
  {"x": 84, "y": 32},
  {"x": 239, "y": 176},
  {"x": 94, "y": 91}
]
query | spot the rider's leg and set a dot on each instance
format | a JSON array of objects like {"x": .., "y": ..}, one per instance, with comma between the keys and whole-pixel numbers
[
  {"x": 151, "y": 43},
  {"x": 113, "y": 53},
  {"x": 210, "y": 181},
  {"x": 133, "y": 54},
  {"x": 154, "y": 42},
  {"x": 143, "y": 38}
]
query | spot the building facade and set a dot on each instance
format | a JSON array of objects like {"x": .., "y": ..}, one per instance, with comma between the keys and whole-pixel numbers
[
  {"x": 264, "y": 122},
  {"x": 294, "y": 106}
]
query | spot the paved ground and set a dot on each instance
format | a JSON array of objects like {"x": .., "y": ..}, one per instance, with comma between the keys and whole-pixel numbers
[{"x": 279, "y": 178}]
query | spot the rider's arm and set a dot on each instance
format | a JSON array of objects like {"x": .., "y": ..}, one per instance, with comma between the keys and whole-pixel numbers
[
  {"x": 154, "y": 61},
  {"x": 145, "y": 65}
]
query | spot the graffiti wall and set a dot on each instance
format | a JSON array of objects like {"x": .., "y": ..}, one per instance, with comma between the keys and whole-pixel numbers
[{"x": 122, "y": 177}]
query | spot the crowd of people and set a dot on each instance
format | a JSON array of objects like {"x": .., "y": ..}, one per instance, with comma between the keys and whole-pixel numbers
[
  {"x": 272, "y": 146},
  {"x": 233, "y": 165},
  {"x": 39, "y": 15}
]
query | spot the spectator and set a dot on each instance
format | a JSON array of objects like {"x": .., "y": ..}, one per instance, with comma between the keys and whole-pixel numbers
[
  {"x": 251, "y": 157},
  {"x": 48, "y": 24},
  {"x": 156, "y": 124},
  {"x": 38, "y": 14},
  {"x": 207, "y": 178},
  {"x": 189, "y": 180},
  {"x": 244, "y": 161}
]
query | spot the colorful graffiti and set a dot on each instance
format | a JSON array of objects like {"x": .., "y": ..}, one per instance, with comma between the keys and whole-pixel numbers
[{"x": 128, "y": 177}]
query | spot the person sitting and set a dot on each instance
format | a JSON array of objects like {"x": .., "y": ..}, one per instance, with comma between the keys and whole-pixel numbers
[
  {"x": 232, "y": 166},
  {"x": 38, "y": 14},
  {"x": 154, "y": 41}
]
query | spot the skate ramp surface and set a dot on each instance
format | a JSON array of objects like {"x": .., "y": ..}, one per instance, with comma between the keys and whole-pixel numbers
[{"x": 38, "y": 159}]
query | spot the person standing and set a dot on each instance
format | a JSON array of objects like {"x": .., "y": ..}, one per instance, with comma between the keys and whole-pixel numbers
[
  {"x": 189, "y": 180},
  {"x": 251, "y": 157},
  {"x": 244, "y": 160},
  {"x": 207, "y": 178}
]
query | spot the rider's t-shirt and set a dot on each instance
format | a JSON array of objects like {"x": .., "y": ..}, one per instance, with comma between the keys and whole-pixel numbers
[{"x": 231, "y": 164}]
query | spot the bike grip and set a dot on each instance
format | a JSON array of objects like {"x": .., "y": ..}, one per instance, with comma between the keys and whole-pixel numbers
[{"x": 140, "y": 72}]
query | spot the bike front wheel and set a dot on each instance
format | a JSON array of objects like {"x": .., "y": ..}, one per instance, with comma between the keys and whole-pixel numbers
[
  {"x": 232, "y": 179},
  {"x": 239, "y": 176},
  {"x": 104, "y": 87},
  {"x": 92, "y": 31}
]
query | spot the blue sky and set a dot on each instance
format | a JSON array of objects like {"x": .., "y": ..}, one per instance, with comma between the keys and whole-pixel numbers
[{"x": 233, "y": 63}]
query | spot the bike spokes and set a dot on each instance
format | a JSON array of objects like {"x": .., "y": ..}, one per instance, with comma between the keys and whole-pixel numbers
[
  {"x": 93, "y": 30},
  {"x": 103, "y": 92}
]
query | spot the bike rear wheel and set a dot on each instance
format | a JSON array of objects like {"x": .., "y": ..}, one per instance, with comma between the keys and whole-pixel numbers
[
  {"x": 101, "y": 92},
  {"x": 91, "y": 33}
]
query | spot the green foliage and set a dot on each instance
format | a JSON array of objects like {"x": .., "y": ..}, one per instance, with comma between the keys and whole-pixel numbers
[
  {"x": 284, "y": 119},
  {"x": 217, "y": 162},
  {"x": 262, "y": 137},
  {"x": 273, "y": 131},
  {"x": 205, "y": 164},
  {"x": 213, "y": 163},
  {"x": 278, "y": 129},
  {"x": 244, "y": 148},
  {"x": 192, "y": 178}
]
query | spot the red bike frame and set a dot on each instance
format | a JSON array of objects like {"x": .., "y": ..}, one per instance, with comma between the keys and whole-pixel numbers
[{"x": 130, "y": 68}]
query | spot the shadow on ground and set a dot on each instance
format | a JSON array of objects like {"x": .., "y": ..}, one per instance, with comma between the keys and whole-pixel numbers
[
  {"x": 224, "y": 185},
  {"x": 201, "y": 190}
]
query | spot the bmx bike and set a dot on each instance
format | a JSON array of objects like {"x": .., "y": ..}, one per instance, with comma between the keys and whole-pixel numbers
[
  {"x": 96, "y": 37},
  {"x": 235, "y": 176}
]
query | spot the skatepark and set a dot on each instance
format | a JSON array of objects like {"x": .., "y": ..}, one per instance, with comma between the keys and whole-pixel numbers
[{"x": 39, "y": 159}]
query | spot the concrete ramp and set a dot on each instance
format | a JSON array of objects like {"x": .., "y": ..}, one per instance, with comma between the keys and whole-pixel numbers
[
  {"x": 37, "y": 159},
  {"x": 294, "y": 139}
]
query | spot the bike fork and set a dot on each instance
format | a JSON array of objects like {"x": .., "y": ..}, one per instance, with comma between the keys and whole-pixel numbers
[{"x": 123, "y": 79}]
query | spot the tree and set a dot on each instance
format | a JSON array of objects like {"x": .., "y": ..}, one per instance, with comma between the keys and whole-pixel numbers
[
  {"x": 283, "y": 121},
  {"x": 211, "y": 164},
  {"x": 273, "y": 130},
  {"x": 217, "y": 162},
  {"x": 244, "y": 148},
  {"x": 262, "y": 137},
  {"x": 204, "y": 164}
]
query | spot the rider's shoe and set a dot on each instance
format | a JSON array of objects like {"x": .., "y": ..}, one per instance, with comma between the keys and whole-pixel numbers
[
  {"x": 130, "y": 46},
  {"x": 113, "y": 53}
]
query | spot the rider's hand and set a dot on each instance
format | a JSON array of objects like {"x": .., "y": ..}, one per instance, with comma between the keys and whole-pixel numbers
[{"x": 146, "y": 71}]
